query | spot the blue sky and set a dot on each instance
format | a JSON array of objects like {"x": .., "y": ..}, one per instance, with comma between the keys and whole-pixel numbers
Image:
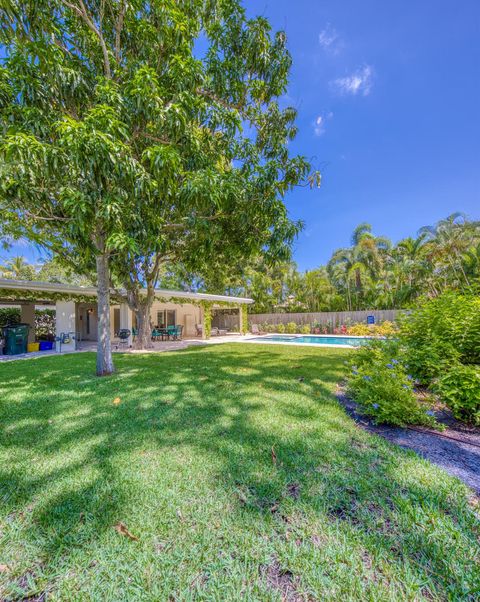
[
  {"x": 388, "y": 95},
  {"x": 397, "y": 89}
]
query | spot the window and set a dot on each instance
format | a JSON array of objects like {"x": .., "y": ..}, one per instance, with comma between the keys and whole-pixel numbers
[{"x": 166, "y": 317}]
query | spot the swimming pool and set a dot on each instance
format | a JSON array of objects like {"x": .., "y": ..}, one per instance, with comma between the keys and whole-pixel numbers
[{"x": 343, "y": 341}]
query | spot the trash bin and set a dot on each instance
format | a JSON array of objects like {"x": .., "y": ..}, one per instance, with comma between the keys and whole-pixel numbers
[
  {"x": 16, "y": 338},
  {"x": 46, "y": 345}
]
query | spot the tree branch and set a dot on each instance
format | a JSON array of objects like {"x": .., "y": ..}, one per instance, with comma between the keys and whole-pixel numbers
[
  {"x": 52, "y": 218},
  {"x": 207, "y": 218},
  {"x": 225, "y": 104},
  {"x": 81, "y": 11},
  {"x": 118, "y": 29}
]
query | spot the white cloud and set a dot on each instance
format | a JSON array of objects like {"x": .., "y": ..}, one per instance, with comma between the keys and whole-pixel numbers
[
  {"x": 359, "y": 82},
  {"x": 319, "y": 123},
  {"x": 330, "y": 40},
  {"x": 319, "y": 126}
]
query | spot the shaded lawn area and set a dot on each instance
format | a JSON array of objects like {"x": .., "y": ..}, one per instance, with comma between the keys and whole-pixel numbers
[{"x": 238, "y": 472}]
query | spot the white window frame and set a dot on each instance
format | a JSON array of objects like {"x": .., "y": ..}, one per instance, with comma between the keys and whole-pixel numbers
[{"x": 164, "y": 319}]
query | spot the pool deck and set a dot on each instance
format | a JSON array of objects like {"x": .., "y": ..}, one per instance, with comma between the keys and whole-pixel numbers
[{"x": 159, "y": 347}]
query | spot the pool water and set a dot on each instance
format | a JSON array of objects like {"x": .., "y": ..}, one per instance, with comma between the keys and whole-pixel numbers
[{"x": 313, "y": 339}]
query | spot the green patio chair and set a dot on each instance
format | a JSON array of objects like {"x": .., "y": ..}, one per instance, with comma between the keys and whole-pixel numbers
[{"x": 175, "y": 332}]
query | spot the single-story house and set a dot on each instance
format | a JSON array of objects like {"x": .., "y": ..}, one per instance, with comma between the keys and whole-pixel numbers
[{"x": 76, "y": 309}]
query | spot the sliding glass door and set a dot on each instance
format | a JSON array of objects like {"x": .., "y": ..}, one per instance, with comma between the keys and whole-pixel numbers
[{"x": 166, "y": 317}]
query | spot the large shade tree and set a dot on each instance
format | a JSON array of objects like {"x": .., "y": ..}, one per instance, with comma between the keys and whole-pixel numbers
[{"x": 138, "y": 134}]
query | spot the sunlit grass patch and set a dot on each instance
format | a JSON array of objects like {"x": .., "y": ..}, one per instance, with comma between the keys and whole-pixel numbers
[{"x": 238, "y": 473}]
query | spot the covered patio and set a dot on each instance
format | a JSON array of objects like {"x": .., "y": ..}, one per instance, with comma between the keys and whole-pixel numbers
[{"x": 76, "y": 318}]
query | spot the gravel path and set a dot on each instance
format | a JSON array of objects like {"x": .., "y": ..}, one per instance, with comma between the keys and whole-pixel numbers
[{"x": 459, "y": 457}]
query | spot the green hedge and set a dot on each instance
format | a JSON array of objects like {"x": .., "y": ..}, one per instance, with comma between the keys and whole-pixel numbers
[
  {"x": 437, "y": 348},
  {"x": 9, "y": 315},
  {"x": 44, "y": 320}
]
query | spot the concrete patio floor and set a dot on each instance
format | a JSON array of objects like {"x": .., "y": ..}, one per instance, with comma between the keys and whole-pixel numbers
[{"x": 158, "y": 347}]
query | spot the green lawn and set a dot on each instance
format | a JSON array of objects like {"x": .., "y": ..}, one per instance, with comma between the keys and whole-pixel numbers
[{"x": 185, "y": 462}]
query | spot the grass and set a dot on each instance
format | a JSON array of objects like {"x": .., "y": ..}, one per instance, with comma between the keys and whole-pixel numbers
[{"x": 237, "y": 471}]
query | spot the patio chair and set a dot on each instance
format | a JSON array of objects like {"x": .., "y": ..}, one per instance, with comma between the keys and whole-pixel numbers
[
  {"x": 214, "y": 331},
  {"x": 175, "y": 332},
  {"x": 177, "y": 336},
  {"x": 199, "y": 329}
]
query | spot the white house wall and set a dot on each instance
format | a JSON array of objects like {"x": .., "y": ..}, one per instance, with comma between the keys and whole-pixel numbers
[{"x": 187, "y": 314}]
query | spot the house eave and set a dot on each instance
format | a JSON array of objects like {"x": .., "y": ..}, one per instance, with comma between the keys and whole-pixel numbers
[{"x": 85, "y": 291}]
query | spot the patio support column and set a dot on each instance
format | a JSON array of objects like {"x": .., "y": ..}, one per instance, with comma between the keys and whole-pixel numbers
[
  {"x": 126, "y": 320},
  {"x": 202, "y": 322},
  {"x": 240, "y": 319},
  {"x": 65, "y": 324},
  {"x": 27, "y": 316}
]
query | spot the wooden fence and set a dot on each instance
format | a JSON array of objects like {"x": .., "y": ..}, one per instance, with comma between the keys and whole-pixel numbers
[{"x": 334, "y": 318}]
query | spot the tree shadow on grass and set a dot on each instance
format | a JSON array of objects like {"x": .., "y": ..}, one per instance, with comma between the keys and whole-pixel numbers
[{"x": 276, "y": 446}]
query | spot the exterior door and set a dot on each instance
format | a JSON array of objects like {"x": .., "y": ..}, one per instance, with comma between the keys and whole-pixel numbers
[{"x": 88, "y": 319}]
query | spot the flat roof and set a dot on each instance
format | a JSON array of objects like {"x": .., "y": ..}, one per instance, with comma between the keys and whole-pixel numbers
[{"x": 91, "y": 291}]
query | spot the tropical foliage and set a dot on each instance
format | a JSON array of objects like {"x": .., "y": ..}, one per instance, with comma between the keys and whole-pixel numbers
[
  {"x": 17, "y": 268},
  {"x": 373, "y": 273},
  {"x": 383, "y": 389},
  {"x": 437, "y": 349},
  {"x": 47, "y": 270}
]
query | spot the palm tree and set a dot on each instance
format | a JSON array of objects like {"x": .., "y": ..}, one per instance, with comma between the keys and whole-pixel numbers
[
  {"x": 357, "y": 266},
  {"x": 449, "y": 240},
  {"x": 471, "y": 263},
  {"x": 17, "y": 268}
]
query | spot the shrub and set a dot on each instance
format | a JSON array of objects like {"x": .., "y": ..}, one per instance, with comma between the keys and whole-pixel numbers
[
  {"x": 270, "y": 328},
  {"x": 9, "y": 315},
  {"x": 439, "y": 344},
  {"x": 44, "y": 320},
  {"x": 305, "y": 329},
  {"x": 441, "y": 333},
  {"x": 382, "y": 388},
  {"x": 426, "y": 360},
  {"x": 460, "y": 389},
  {"x": 385, "y": 329},
  {"x": 359, "y": 330},
  {"x": 281, "y": 328},
  {"x": 291, "y": 328}
]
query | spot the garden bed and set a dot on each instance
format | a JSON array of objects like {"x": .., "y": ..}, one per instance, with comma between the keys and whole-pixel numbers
[{"x": 456, "y": 449}]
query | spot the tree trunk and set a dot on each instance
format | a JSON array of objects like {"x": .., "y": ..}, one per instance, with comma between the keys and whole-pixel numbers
[
  {"x": 104, "y": 349},
  {"x": 143, "y": 340},
  {"x": 358, "y": 280},
  {"x": 141, "y": 305}
]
